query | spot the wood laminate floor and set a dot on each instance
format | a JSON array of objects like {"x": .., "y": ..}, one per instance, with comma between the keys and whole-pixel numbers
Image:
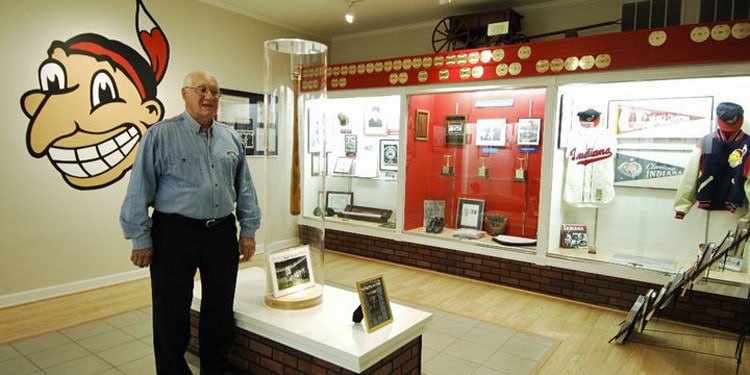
[{"x": 581, "y": 331}]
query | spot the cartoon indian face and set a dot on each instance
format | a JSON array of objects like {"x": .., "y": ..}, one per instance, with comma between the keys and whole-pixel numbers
[{"x": 96, "y": 98}]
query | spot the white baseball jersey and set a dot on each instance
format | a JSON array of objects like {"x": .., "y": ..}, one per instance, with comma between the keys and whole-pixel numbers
[{"x": 590, "y": 161}]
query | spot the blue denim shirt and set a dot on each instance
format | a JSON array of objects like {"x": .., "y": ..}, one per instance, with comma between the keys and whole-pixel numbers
[{"x": 182, "y": 169}]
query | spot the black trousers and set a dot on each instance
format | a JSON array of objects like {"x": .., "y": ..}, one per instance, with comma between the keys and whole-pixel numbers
[{"x": 180, "y": 248}]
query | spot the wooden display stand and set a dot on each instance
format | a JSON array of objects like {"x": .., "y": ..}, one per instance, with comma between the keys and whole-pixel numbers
[{"x": 299, "y": 300}]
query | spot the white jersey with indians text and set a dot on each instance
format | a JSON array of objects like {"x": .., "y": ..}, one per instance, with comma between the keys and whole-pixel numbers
[{"x": 590, "y": 173}]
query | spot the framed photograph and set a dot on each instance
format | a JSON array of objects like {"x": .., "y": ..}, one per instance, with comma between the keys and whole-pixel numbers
[
  {"x": 315, "y": 128},
  {"x": 374, "y": 123},
  {"x": 339, "y": 200},
  {"x": 241, "y": 110},
  {"x": 291, "y": 270},
  {"x": 350, "y": 145},
  {"x": 315, "y": 164},
  {"x": 388, "y": 154},
  {"x": 491, "y": 132},
  {"x": 376, "y": 307},
  {"x": 528, "y": 131},
  {"x": 343, "y": 165},
  {"x": 470, "y": 213},
  {"x": 455, "y": 131},
  {"x": 433, "y": 210},
  {"x": 422, "y": 125}
]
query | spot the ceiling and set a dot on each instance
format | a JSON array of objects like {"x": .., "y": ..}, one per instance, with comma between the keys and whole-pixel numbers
[{"x": 325, "y": 18}]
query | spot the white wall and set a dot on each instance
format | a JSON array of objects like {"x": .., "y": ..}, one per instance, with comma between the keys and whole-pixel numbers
[
  {"x": 538, "y": 19},
  {"x": 54, "y": 238}
]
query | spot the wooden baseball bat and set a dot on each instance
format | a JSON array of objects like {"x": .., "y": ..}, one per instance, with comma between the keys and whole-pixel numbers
[{"x": 295, "y": 195}]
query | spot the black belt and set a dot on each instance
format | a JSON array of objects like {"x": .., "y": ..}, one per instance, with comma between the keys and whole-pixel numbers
[{"x": 206, "y": 223}]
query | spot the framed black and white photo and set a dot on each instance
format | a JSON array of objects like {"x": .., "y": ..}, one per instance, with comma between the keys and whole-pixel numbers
[
  {"x": 339, "y": 200},
  {"x": 376, "y": 306},
  {"x": 470, "y": 213},
  {"x": 291, "y": 270},
  {"x": 374, "y": 120},
  {"x": 343, "y": 165},
  {"x": 388, "y": 154},
  {"x": 491, "y": 132},
  {"x": 528, "y": 131}
]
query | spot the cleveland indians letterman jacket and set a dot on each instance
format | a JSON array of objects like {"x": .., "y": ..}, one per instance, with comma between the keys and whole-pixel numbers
[{"x": 716, "y": 175}]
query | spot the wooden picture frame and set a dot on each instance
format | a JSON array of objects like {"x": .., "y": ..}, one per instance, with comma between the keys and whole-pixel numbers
[
  {"x": 455, "y": 129},
  {"x": 291, "y": 270},
  {"x": 388, "y": 160},
  {"x": 338, "y": 201},
  {"x": 470, "y": 213},
  {"x": 528, "y": 131},
  {"x": 421, "y": 125},
  {"x": 376, "y": 306}
]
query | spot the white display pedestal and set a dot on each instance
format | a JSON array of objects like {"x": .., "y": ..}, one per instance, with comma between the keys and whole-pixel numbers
[{"x": 324, "y": 331}]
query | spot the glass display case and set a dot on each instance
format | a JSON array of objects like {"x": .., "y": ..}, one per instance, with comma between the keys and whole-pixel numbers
[
  {"x": 352, "y": 150},
  {"x": 649, "y": 131},
  {"x": 473, "y": 166}
]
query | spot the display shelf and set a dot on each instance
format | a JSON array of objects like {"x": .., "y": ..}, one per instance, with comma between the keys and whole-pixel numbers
[
  {"x": 485, "y": 242},
  {"x": 325, "y": 331}
]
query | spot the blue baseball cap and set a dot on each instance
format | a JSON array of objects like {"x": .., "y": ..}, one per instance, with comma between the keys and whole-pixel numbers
[{"x": 729, "y": 112}]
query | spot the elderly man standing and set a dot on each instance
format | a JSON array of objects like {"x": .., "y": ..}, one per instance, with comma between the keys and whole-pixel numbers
[{"x": 192, "y": 171}]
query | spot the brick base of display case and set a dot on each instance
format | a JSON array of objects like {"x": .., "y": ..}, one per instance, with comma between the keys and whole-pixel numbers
[
  {"x": 258, "y": 355},
  {"x": 700, "y": 308}
]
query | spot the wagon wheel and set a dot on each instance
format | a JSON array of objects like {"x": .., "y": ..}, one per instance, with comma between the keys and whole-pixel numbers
[{"x": 450, "y": 34}]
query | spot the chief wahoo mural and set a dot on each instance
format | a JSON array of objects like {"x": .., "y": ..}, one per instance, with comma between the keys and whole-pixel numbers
[{"x": 96, "y": 98}]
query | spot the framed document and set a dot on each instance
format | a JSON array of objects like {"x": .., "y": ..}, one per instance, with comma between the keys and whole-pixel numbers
[
  {"x": 388, "y": 155},
  {"x": 376, "y": 307},
  {"x": 470, "y": 213},
  {"x": 422, "y": 125},
  {"x": 343, "y": 165},
  {"x": 291, "y": 270},
  {"x": 338, "y": 201}
]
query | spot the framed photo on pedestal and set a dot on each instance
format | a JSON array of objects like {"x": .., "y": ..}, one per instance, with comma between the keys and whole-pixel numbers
[{"x": 376, "y": 307}]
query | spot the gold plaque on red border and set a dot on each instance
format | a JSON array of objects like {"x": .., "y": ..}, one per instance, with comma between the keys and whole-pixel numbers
[
  {"x": 477, "y": 72},
  {"x": 378, "y": 67},
  {"x": 587, "y": 62},
  {"x": 524, "y": 52},
  {"x": 741, "y": 30},
  {"x": 515, "y": 68},
  {"x": 393, "y": 78},
  {"x": 403, "y": 77},
  {"x": 422, "y": 76},
  {"x": 657, "y": 38},
  {"x": 571, "y": 63},
  {"x": 700, "y": 34},
  {"x": 485, "y": 56},
  {"x": 542, "y": 66},
  {"x": 498, "y": 55},
  {"x": 501, "y": 70},
  {"x": 556, "y": 64},
  {"x": 720, "y": 32},
  {"x": 427, "y": 61},
  {"x": 443, "y": 74},
  {"x": 603, "y": 60}
]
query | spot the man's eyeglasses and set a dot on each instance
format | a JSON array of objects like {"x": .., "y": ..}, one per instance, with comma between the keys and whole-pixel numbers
[{"x": 203, "y": 91}]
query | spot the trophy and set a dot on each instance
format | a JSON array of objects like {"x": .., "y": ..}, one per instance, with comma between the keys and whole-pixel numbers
[
  {"x": 521, "y": 172},
  {"x": 447, "y": 168},
  {"x": 482, "y": 171}
]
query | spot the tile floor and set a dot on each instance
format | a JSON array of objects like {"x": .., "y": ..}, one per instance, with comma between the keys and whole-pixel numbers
[{"x": 122, "y": 345}]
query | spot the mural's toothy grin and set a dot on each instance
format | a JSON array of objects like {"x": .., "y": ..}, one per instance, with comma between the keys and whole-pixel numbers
[{"x": 94, "y": 160}]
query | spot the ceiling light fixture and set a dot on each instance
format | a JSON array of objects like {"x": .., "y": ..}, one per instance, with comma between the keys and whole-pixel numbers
[{"x": 349, "y": 16}]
